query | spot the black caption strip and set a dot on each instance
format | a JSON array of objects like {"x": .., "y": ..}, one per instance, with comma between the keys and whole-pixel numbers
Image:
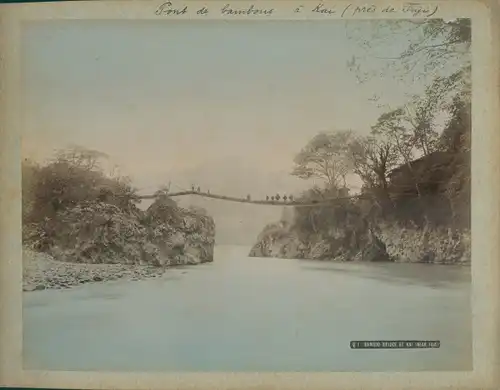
[{"x": 395, "y": 344}]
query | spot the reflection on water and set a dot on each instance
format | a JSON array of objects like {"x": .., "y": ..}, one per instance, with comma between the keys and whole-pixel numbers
[{"x": 253, "y": 314}]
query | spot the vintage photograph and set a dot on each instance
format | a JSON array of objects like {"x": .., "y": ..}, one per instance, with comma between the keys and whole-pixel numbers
[{"x": 246, "y": 195}]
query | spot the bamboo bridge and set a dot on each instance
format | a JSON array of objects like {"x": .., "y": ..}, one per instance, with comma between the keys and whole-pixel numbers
[{"x": 279, "y": 202}]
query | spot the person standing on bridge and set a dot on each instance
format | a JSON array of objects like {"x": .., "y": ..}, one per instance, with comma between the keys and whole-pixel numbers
[
  {"x": 192, "y": 188},
  {"x": 291, "y": 198},
  {"x": 284, "y": 198},
  {"x": 267, "y": 198},
  {"x": 248, "y": 197},
  {"x": 278, "y": 197}
]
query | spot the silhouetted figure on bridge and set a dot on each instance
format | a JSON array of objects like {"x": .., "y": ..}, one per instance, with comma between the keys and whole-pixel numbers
[
  {"x": 248, "y": 197},
  {"x": 198, "y": 189},
  {"x": 208, "y": 192},
  {"x": 284, "y": 198},
  {"x": 291, "y": 198},
  {"x": 272, "y": 198},
  {"x": 192, "y": 188},
  {"x": 278, "y": 197},
  {"x": 267, "y": 197}
]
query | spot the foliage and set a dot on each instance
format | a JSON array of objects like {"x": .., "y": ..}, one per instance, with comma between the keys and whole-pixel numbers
[
  {"x": 325, "y": 157},
  {"x": 457, "y": 132},
  {"x": 372, "y": 159},
  {"x": 72, "y": 177},
  {"x": 96, "y": 232},
  {"x": 412, "y": 128},
  {"x": 319, "y": 220},
  {"x": 422, "y": 112},
  {"x": 432, "y": 43},
  {"x": 399, "y": 187},
  {"x": 77, "y": 156}
]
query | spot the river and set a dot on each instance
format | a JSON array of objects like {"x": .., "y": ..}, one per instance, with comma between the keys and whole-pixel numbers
[{"x": 253, "y": 314}]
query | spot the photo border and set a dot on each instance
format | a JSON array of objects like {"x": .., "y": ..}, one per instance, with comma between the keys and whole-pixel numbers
[{"x": 485, "y": 207}]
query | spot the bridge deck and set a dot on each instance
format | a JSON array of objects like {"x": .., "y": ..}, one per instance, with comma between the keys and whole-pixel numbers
[{"x": 260, "y": 202}]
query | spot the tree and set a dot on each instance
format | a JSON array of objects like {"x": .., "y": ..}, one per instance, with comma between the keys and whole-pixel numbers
[
  {"x": 423, "y": 111},
  {"x": 80, "y": 157},
  {"x": 440, "y": 41},
  {"x": 325, "y": 157},
  {"x": 391, "y": 126},
  {"x": 372, "y": 159},
  {"x": 431, "y": 44},
  {"x": 437, "y": 54},
  {"x": 413, "y": 127},
  {"x": 306, "y": 217},
  {"x": 436, "y": 62},
  {"x": 457, "y": 132},
  {"x": 72, "y": 177}
]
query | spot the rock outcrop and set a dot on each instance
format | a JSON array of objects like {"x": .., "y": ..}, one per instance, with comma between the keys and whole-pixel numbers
[
  {"x": 428, "y": 245},
  {"x": 97, "y": 233},
  {"x": 390, "y": 243},
  {"x": 354, "y": 241},
  {"x": 183, "y": 236}
]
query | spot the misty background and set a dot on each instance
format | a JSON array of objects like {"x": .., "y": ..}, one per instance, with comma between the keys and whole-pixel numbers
[{"x": 217, "y": 104}]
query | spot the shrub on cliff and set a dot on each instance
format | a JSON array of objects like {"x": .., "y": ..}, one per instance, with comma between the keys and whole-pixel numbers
[
  {"x": 164, "y": 211},
  {"x": 97, "y": 232},
  {"x": 74, "y": 176}
]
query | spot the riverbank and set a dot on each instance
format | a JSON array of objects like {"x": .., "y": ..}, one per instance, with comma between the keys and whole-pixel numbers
[{"x": 42, "y": 272}]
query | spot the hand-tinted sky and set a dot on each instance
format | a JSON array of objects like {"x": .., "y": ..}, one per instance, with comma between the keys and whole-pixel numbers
[{"x": 224, "y": 105}]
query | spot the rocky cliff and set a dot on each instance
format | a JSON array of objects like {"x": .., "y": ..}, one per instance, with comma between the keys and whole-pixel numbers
[
  {"x": 99, "y": 233},
  {"x": 441, "y": 245},
  {"x": 387, "y": 243},
  {"x": 182, "y": 236},
  {"x": 354, "y": 241}
]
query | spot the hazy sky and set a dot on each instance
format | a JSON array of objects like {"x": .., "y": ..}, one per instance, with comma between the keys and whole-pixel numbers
[{"x": 224, "y": 105}]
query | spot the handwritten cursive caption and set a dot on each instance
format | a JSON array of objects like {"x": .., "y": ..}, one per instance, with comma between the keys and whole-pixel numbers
[{"x": 410, "y": 10}]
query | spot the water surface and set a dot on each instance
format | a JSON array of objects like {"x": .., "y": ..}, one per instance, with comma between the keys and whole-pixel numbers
[{"x": 255, "y": 314}]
